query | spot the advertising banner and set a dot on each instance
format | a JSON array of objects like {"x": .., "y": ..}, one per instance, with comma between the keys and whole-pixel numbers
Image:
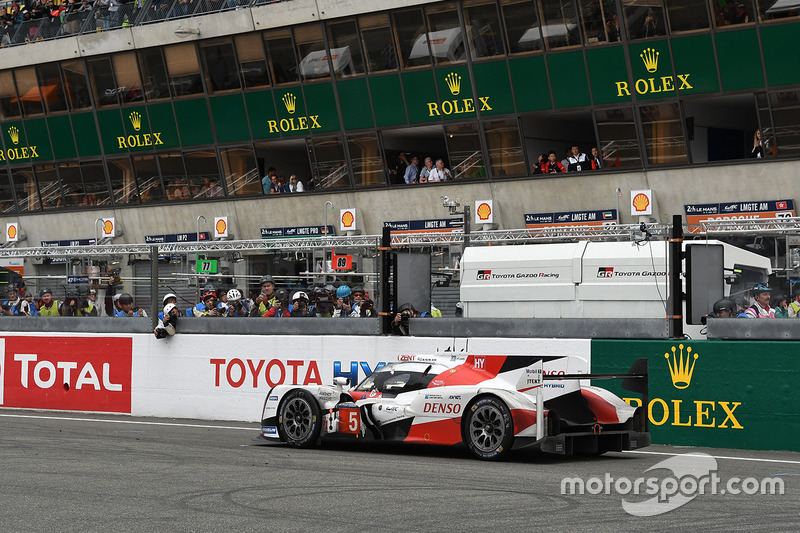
[
  {"x": 696, "y": 214},
  {"x": 569, "y": 219},
  {"x": 432, "y": 225},
  {"x": 69, "y": 373},
  {"x": 712, "y": 393}
]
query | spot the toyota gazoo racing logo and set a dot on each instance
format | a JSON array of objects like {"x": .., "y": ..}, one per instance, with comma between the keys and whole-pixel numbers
[
  {"x": 605, "y": 272},
  {"x": 484, "y": 275}
]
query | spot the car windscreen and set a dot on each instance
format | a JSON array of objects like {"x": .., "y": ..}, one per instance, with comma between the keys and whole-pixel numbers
[{"x": 389, "y": 380}]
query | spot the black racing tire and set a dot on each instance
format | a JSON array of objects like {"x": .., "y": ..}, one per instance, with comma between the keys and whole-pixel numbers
[
  {"x": 299, "y": 419},
  {"x": 488, "y": 429}
]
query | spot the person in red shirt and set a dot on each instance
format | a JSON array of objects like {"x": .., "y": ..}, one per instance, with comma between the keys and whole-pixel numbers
[{"x": 552, "y": 166}]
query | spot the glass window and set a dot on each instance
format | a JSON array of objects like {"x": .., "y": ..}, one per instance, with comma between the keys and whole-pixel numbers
[
  {"x": 378, "y": 43},
  {"x": 49, "y": 186},
  {"x": 183, "y": 69},
  {"x": 663, "y": 134},
  {"x": 312, "y": 53},
  {"x": 786, "y": 114},
  {"x": 126, "y": 73},
  {"x": 687, "y": 15},
  {"x": 619, "y": 143},
  {"x": 483, "y": 28},
  {"x": 522, "y": 26},
  {"x": 409, "y": 28},
  {"x": 329, "y": 169},
  {"x": 25, "y": 189},
  {"x": 75, "y": 83},
  {"x": 365, "y": 156},
  {"x": 445, "y": 37},
  {"x": 102, "y": 81},
  {"x": 252, "y": 65},
  {"x": 28, "y": 90},
  {"x": 644, "y": 19},
  {"x": 766, "y": 125},
  {"x": 290, "y": 157},
  {"x": 219, "y": 65},
  {"x": 780, "y": 9},
  {"x": 240, "y": 170},
  {"x": 72, "y": 184},
  {"x": 154, "y": 74},
  {"x": 94, "y": 183},
  {"x": 503, "y": 142},
  {"x": 174, "y": 175},
  {"x": 123, "y": 184},
  {"x": 403, "y": 144},
  {"x": 600, "y": 21},
  {"x": 559, "y": 23},
  {"x": 9, "y": 107},
  {"x": 727, "y": 13},
  {"x": 203, "y": 173},
  {"x": 464, "y": 147},
  {"x": 345, "y": 48},
  {"x": 282, "y": 61},
  {"x": 7, "y": 205},
  {"x": 51, "y": 89},
  {"x": 148, "y": 179}
]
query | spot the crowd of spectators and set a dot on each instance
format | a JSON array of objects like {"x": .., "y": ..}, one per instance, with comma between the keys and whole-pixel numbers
[
  {"x": 406, "y": 169},
  {"x": 272, "y": 183},
  {"x": 573, "y": 161},
  {"x": 783, "y": 306}
]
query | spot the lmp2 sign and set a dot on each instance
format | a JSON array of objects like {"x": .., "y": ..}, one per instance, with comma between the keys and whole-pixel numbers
[{"x": 656, "y": 84}]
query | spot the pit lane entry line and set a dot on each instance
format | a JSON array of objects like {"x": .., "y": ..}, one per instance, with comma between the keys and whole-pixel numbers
[{"x": 140, "y": 422}]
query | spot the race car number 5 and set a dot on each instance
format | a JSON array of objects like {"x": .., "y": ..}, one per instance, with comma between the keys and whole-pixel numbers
[{"x": 351, "y": 420}]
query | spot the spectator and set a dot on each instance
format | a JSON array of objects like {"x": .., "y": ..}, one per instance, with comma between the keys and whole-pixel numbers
[
  {"x": 266, "y": 304},
  {"x": 126, "y": 309},
  {"x": 397, "y": 168},
  {"x": 426, "y": 171},
  {"x": 565, "y": 161},
  {"x": 89, "y": 307},
  {"x": 299, "y": 306},
  {"x": 401, "y": 319},
  {"x": 237, "y": 305},
  {"x": 48, "y": 306},
  {"x": 781, "y": 306},
  {"x": 274, "y": 185},
  {"x": 794, "y": 307},
  {"x": 167, "y": 321},
  {"x": 596, "y": 160},
  {"x": 758, "y": 147},
  {"x": 295, "y": 185},
  {"x": 578, "y": 162},
  {"x": 10, "y": 306},
  {"x": 412, "y": 171},
  {"x": 266, "y": 181},
  {"x": 552, "y": 166},
  {"x": 760, "y": 307},
  {"x": 343, "y": 306},
  {"x": 724, "y": 308},
  {"x": 210, "y": 306},
  {"x": 440, "y": 173},
  {"x": 540, "y": 162},
  {"x": 169, "y": 298},
  {"x": 459, "y": 310},
  {"x": 283, "y": 184}
]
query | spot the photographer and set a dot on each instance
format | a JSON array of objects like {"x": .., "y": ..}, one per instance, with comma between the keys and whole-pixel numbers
[
  {"x": 47, "y": 306},
  {"x": 126, "y": 309},
  {"x": 69, "y": 306},
  {"x": 88, "y": 306},
  {"x": 367, "y": 308},
  {"x": 16, "y": 306},
  {"x": 343, "y": 307},
  {"x": 210, "y": 306},
  {"x": 401, "y": 319},
  {"x": 167, "y": 321},
  {"x": 265, "y": 303},
  {"x": 237, "y": 306},
  {"x": 299, "y": 307}
]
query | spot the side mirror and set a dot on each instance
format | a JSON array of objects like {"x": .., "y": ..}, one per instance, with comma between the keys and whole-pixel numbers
[{"x": 341, "y": 381}]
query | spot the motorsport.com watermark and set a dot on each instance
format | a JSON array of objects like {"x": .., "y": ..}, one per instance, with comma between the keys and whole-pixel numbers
[{"x": 693, "y": 475}]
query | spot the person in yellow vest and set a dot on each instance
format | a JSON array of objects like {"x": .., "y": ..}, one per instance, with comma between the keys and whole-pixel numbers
[
  {"x": 89, "y": 307},
  {"x": 48, "y": 306},
  {"x": 794, "y": 307}
]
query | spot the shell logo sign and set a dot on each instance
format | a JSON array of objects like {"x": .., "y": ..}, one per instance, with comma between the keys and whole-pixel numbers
[
  {"x": 12, "y": 232},
  {"x": 220, "y": 227},
  {"x": 109, "y": 227},
  {"x": 484, "y": 211},
  {"x": 347, "y": 219},
  {"x": 642, "y": 202}
]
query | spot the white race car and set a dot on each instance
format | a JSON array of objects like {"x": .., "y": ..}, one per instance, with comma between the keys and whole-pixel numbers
[{"x": 491, "y": 403}]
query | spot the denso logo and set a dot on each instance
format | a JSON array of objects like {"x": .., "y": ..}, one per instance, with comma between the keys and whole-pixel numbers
[
  {"x": 66, "y": 373},
  {"x": 442, "y": 408}
]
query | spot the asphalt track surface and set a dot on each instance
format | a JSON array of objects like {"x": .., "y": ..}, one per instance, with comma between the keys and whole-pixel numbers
[{"x": 73, "y": 472}]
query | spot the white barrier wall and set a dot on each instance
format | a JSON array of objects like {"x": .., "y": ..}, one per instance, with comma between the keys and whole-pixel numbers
[{"x": 214, "y": 377}]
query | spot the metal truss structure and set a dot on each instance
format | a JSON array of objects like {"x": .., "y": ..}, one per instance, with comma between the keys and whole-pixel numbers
[{"x": 753, "y": 227}]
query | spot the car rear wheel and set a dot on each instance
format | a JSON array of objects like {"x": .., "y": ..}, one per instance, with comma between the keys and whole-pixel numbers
[
  {"x": 488, "y": 429},
  {"x": 299, "y": 420}
]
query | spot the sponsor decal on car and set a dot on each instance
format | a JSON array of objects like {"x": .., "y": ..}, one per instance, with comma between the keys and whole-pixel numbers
[
  {"x": 442, "y": 408},
  {"x": 269, "y": 430}
]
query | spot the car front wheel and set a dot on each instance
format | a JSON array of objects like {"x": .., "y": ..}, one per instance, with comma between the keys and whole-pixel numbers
[
  {"x": 299, "y": 419},
  {"x": 488, "y": 429}
]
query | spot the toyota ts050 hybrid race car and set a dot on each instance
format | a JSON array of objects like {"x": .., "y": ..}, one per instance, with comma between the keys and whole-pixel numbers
[{"x": 491, "y": 403}]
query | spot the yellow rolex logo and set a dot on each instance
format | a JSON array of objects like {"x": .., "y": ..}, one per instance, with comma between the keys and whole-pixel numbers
[
  {"x": 290, "y": 102},
  {"x": 650, "y": 59},
  {"x": 13, "y": 132},
  {"x": 453, "y": 83},
  {"x": 679, "y": 367},
  {"x": 136, "y": 120}
]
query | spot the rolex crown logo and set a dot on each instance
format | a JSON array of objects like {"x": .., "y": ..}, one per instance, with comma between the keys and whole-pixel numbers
[
  {"x": 453, "y": 83},
  {"x": 650, "y": 59},
  {"x": 290, "y": 102},
  {"x": 679, "y": 367},
  {"x": 13, "y": 132},
  {"x": 136, "y": 120}
]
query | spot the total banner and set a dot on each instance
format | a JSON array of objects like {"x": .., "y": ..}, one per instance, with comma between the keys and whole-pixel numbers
[{"x": 712, "y": 393}]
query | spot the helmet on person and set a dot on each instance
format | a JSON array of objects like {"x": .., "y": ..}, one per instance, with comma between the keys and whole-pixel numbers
[
  {"x": 761, "y": 287},
  {"x": 265, "y": 279},
  {"x": 407, "y": 307},
  {"x": 234, "y": 294},
  {"x": 343, "y": 291},
  {"x": 167, "y": 297},
  {"x": 169, "y": 307},
  {"x": 114, "y": 298},
  {"x": 359, "y": 289},
  {"x": 330, "y": 288},
  {"x": 125, "y": 298},
  {"x": 299, "y": 295},
  {"x": 44, "y": 291},
  {"x": 724, "y": 305},
  {"x": 209, "y": 289}
]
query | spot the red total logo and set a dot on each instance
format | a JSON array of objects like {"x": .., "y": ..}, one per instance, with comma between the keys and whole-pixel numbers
[{"x": 66, "y": 373}]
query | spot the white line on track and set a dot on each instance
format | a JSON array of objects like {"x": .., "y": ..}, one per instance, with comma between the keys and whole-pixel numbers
[
  {"x": 752, "y": 459},
  {"x": 130, "y": 422}
]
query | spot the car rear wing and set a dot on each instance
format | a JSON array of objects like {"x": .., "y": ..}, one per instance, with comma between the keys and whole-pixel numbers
[{"x": 635, "y": 380}]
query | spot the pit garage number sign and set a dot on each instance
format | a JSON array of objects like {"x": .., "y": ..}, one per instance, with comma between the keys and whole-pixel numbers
[
  {"x": 207, "y": 266},
  {"x": 341, "y": 262}
]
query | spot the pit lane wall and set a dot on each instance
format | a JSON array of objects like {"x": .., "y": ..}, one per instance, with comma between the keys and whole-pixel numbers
[
  {"x": 721, "y": 394},
  {"x": 212, "y": 377}
]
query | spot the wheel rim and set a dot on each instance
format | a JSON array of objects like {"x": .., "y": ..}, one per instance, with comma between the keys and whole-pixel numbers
[
  {"x": 297, "y": 419},
  {"x": 487, "y": 428}
]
